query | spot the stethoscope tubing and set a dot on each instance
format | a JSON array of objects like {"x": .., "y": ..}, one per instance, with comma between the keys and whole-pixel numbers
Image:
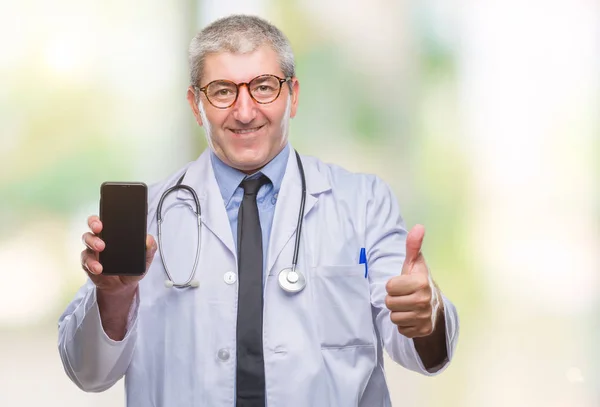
[{"x": 190, "y": 282}]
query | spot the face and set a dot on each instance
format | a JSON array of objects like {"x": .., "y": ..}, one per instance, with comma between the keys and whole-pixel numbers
[{"x": 248, "y": 134}]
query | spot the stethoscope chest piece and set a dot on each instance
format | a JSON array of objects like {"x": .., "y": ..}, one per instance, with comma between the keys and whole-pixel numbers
[{"x": 291, "y": 281}]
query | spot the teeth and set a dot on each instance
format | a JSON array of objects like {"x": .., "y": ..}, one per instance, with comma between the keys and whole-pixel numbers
[{"x": 244, "y": 131}]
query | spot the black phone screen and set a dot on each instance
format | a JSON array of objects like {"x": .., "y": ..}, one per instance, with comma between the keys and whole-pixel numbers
[{"x": 123, "y": 212}]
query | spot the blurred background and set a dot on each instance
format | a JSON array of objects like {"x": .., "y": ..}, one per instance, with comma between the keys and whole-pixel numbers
[{"x": 482, "y": 115}]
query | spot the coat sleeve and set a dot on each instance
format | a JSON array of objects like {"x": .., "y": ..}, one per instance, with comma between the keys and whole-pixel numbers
[
  {"x": 386, "y": 249},
  {"x": 92, "y": 360}
]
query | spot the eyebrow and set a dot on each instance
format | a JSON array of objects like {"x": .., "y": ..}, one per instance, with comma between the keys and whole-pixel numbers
[
  {"x": 259, "y": 79},
  {"x": 250, "y": 80}
]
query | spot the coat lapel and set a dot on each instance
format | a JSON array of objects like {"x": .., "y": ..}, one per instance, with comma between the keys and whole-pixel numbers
[
  {"x": 285, "y": 220},
  {"x": 201, "y": 178}
]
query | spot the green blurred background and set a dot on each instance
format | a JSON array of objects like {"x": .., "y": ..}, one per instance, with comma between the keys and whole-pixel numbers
[{"x": 482, "y": 116}]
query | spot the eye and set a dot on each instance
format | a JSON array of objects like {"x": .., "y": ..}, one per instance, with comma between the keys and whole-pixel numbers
[
  {"x": 221, "y": 90},
  {"x": 264, "y": 89}
]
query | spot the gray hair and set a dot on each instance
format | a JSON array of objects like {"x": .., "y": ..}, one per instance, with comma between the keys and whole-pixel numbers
[{"x": 238, "y": 34}]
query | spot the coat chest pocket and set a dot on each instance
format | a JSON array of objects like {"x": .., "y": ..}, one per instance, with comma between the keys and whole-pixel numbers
[{"x": 342, "y": 306}]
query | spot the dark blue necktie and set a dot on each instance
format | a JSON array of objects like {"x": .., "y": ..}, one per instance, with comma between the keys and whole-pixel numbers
[{"x": 250, "y": 374}]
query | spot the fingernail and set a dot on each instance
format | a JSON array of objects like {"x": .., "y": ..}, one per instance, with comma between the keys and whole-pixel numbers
[
  {"x": 99, "y": 245},
  {"x": 97, "y": 268},
  {"x": 95, "y": 225}
]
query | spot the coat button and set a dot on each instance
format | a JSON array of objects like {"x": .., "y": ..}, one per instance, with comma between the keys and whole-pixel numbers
[
  {"x": 223, "y": 354},
  {"x": 230, "y": 277}
]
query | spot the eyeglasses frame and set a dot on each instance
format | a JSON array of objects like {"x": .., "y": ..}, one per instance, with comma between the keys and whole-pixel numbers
[{"x": 239, "y": 85}]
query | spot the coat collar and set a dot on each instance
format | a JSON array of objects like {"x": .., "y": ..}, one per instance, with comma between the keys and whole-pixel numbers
[
  {"x": 201, "y": 177},
  {"x": 229, "y": 179}
]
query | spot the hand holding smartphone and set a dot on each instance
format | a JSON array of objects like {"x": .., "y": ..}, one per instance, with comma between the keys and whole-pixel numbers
[{"x": 118, "y": 252}]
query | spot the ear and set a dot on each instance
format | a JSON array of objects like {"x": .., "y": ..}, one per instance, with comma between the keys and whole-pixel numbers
[
  {"x": 295, "y": 96},
  {"x": 191, "y": 97}
]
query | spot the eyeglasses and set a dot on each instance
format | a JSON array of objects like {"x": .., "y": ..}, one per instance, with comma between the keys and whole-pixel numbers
[{"x": 263, "y": 89}]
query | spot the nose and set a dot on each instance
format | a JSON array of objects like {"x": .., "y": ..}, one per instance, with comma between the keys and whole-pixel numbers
[{"x": 244, "y": 109}]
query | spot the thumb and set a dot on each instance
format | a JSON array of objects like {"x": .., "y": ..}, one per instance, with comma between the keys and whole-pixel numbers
[
  {"x": 151, "y": 247},
  {"x": 414, "y": 240}
]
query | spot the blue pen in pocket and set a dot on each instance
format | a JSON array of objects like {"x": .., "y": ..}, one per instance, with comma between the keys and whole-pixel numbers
[{"x": 363, "y": 260}]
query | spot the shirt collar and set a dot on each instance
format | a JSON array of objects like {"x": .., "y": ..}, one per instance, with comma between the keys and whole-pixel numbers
[{"x": 229, "y": 178}]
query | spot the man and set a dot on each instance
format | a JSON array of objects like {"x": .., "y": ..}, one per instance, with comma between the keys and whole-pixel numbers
[{"x": 239, "y": 338}]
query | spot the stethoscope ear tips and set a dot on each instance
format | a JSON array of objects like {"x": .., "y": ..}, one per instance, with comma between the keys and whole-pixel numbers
[
  {"x": 168, "y": 283},
  {"x": 194, "y": 284}
]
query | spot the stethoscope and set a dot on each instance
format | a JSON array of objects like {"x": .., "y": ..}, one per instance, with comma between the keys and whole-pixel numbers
[{"x": 290, "y": 279}]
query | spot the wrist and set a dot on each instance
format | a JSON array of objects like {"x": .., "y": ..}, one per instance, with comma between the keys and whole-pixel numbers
[
  {"x": 115, "y": 308},
  {"x": 121, "y": 292},
  {"x": 115, "y": 300}
]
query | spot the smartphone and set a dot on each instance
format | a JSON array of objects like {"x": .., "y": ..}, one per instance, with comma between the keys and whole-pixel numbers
[{"x": 123, "y": 212}]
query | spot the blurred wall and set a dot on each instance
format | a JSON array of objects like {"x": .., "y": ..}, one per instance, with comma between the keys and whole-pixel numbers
[{"x": 482, "y": 116}]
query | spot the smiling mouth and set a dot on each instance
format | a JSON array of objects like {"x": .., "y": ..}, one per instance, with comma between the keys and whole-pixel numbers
[{"x": 246, "y": 131}]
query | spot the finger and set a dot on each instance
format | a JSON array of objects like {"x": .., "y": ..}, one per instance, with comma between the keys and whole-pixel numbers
[
  {"x": 414, "y": 241},
  {"x": 414, "y": 331},
  {"x": 411, "y": 319},
  {"x": 93, "y": 242},
  {"x": 95, "y": 224},
  {"x": 420, "y": 266},
  {"x": 404, "y": 319},
  {"x": 406, "y": 284},
  {"x": 151, "y": 248},
  {"x": 419, "y": 301},
  {"x": 150, "y": 243},
  {"x": 90, "y": 263},
  {"x": 409, "y": 332}
]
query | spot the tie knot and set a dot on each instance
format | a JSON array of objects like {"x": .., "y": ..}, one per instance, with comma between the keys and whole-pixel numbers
[{"x": 251, "y": 186}]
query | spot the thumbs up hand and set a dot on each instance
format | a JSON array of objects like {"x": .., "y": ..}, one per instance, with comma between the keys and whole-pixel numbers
[{"x": 413, "y": 298}]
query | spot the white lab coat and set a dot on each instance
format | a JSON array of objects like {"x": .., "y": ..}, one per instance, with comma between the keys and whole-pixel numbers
[{"x": 322, "y": 346}]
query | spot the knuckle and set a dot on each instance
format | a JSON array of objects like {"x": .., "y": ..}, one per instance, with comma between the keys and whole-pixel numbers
[
  {"x": 424, "y": 300},
  {"x": 98, "y": 243},
  {"x": 417, "y": 317},
  {"x": 88, "y": 239},
  {"x": 421, "y": 305},
  {"x": 423, "y": 283},
  {"x": 425, "y": 317},
  {"x": 389, "y": 286},
  {"x": 388, "y": 302}
]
